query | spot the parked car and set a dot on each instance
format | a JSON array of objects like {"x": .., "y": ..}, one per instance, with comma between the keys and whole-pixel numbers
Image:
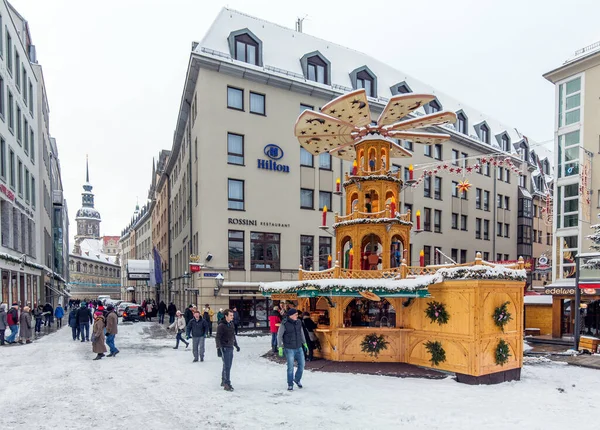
[
  {"x": 121, "y": 308},
  {"x": 134, "y": 313}
]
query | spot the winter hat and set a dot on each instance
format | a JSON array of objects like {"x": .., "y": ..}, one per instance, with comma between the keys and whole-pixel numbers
[
  {"x": 110, "y": 307},
  {"x": 15, "y": 304},
  {"x": 3, "y": 307},
  {"x": 97, "y": 314},
  {"x": 292, "y": 312}
]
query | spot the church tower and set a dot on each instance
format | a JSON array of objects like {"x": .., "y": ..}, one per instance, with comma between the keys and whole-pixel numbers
[{"x": 88, "y": 218}]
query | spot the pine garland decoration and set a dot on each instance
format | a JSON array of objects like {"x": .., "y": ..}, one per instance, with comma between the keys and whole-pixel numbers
[
  {"x": 502, "y": 316},
  {"x": 502, "y": 352},
  {"x": 438, "y": 355},
  {"x": 436, "y": 312},
  {"x": 373, "y": 344}
]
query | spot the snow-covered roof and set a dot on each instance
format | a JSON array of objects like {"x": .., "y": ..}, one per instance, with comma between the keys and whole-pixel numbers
[
  {"x": 538, "y": 300},
  {"x": 91, "y": 249},
  {"x": 88, "y": 213},
  {"x": 396, "y": 285},
  {"x": 283, "y": 48}
]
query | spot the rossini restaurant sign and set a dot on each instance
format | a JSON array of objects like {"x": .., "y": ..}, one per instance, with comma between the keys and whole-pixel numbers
[{"x": 253, "y": 222}]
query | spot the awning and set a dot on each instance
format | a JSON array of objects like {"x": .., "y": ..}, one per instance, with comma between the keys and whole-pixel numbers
[
  {"x": 241, "y": 284},
  {"x": 60, "y": 293},
  {"x": 523, "y": 192},
  {"x": 130, "y": 289}
]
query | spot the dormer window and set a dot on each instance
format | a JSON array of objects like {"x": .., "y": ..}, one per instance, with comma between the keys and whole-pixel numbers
[
  {"x": 403, "y": 89},
  {"x": 484, "y": 134},
  {"x": 505, "y": 143},
  {"x": 246, "y": 49},
  {"x": 364, "y": 80},
  {"x": 546, "y": 167},
  {"x": 400, "y": 88},
  {"x": 245, "y": 46},
  {"x": 461, "y": 123},
  {"x": 317, "y": 69},
  {"x": 432, "y": 107}
]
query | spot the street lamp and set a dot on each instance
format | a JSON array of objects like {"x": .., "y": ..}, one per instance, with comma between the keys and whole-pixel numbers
[{"x": 219, "y": 281}]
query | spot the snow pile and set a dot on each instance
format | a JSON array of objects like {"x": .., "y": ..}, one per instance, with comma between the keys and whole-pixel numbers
[
  {"x": 480, "y": 272},
  {"x": 569, "y": 352},
  {"x": 536, "y": 360},
  {"x": 527, "y": 347},
  {"x": 347, "y": 285}
]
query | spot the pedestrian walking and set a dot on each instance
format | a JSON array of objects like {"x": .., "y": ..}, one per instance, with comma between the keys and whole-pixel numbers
[
  {"x": 73, "y": 323},
  {"x": 48, "y": 312},
  {"x": 179, "y": 325},
  {"x": 274, "y": 322},
  {"x": 309, "y": 326},
  {"x": 112, "y": 320},
  {"x": 162, "y": 309},
  {"x": 226, "y": 341},
  {"x": 171, "y": 310},
  {"x": 84, "y": 319},
  {"x": 3, "y": 322},
  {"x": 236, "y": 319},
  {"x": 25, "y": 326},
  {"x": 38, "y": 314},
  {"x": 98, "y": 337},
  {"x": 208, "y": 316},
  {"x": 188, "y": 315},
  {"x": 220, "y": 315},
  {"x": 290, "y": 339},
  {"x": 59, "y": 313},
  {"x": 198, "y": 328},
  {"x": 149, "y": 310},
  {"x": 12, "y": 318}
]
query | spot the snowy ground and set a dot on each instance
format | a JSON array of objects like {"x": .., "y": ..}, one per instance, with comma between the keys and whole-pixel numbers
[{"x": 54, "y": 384}]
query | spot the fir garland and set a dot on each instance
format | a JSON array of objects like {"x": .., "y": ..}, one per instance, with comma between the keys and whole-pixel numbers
[
  {"x": 373, "y": 344},
  {"x": 354, "y": 179},
  {"x": 482, "y": 272},
  {"x": 502, "y": 316},
  {"x": 438, "y": 355},
  {"x": 395, "y": 220},
  {"x": 502, "y": 352},
  {"x": 311, "y": 285},
  {"x": 436, "y": 312}
]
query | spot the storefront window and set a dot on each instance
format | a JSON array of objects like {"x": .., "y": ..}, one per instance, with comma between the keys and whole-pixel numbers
[
  {"x": 367, "y": 313},
  {"x": 264, "y": 251},
  {"x": 254, "y": 311}
]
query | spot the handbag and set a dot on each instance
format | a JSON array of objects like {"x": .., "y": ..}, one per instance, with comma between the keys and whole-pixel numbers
[{"x": 93, "y": 337}]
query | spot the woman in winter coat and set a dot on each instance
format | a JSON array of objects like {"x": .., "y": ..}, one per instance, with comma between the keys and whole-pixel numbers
[
  {"x": 38, "y": 314},
  {"x": 98, "y": 345},
  {"x": 179, "y": 325},
  {"x": 25, "y": 325},
  {"x": 3, "y": 322}
]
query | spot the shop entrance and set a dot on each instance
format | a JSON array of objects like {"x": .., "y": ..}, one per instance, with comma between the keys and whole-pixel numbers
[{"x": 253, "y": 310}]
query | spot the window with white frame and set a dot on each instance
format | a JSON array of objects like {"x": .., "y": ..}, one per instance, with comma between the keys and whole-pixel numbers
[
  {"x": 568, "y": 206},
  {"x": 567, "y": 252},
  {"x": 569, "y": 102},
  {"x": 306, "y": 158},
  {"x": 568, "y": 154},
  {"x": 325, "y": 161}
]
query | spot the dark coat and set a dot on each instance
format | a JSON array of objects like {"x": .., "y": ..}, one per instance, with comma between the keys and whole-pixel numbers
[
  {"x": 112, "y": 321},
  {"x": 38, "y": 313},
  {"x": 290, "y": 334},
  {"x": 188, "y": 315},
  {"x": 198, "y": 328},
  {"x": 84, "y": 315},
  {"x": 25, "y": 328},
  {"x": 12, "y": 317},
  {"x": 3, "y": 321},
  {"x": 73, "y": 318},
  {"x": 162, "y": 308},
  {"x": 225, "y": 335},
  {"x": 172, "y": 309},
  {"x": 236, "y": 318}
]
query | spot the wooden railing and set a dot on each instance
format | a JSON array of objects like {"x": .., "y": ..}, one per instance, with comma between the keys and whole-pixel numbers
[
  {"x": 360, "y": 172},
  {"x": 386, "y": 213},
  {"x": 403, "y": 271}
]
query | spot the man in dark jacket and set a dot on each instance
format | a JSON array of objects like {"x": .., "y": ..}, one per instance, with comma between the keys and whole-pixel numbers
[
  {"x": 290, "y": 338},
  {"x": 226, "y": 341},
  {"x": 162, "y": 309},
  {"x": 73, "y": 323},
  {"x": 188, "y": 315},
  {"x": 198, "y": 327},
  {"x": 84, "y": 318},
  {"x": 48, "y": 313},
  {"x": 171, "y": 310},
  {"x": 236, "y": 319}
]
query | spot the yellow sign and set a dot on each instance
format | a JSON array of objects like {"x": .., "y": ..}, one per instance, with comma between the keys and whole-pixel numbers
[
  {"x": 194, "y": 258},
  {"x": 284, "y": 296}
]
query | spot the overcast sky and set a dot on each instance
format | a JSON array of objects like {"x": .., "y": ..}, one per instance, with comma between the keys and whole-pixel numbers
[{"x": 115, "y": 71}]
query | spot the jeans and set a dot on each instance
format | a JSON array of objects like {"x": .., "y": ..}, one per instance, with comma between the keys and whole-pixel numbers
[
  {"x": 84, "y": 328},
  {"x": 110, "y": 341},
  {"x": 274, "y": 341},
  {"x": 187, "y": 330},
  {"x": 13, "y": 333},
  {"x": 198, "y": 343},
  {"x": 75, "y": 330},
  {"x": 48, "y": 320},
  {"x": 237, "y": 326},
  {"x": 298, "y": 355},
  {"x": 58, "y": 323},
  {"x": 2, "y": 336},
  {"x": 38, "y": 325},
  {"x": 227, "y": 356},
  {"x": 179, "y": 338},
  {"x": 171, "y": 319},
  {"x": 161, "y": 318}
]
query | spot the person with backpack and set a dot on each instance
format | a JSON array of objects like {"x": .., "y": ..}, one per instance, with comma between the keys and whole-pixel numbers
[{"x": 12, "y": 318}]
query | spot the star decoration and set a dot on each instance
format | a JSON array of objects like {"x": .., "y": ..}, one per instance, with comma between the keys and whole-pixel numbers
[{"x": 463, "y": 186}]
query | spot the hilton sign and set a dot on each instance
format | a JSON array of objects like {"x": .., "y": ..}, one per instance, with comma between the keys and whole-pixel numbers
[{"x": 275, "y": 153}]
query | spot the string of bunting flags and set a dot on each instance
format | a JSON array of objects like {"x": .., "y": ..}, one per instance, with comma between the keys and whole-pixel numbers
[{"x": 493, "y": 161}]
